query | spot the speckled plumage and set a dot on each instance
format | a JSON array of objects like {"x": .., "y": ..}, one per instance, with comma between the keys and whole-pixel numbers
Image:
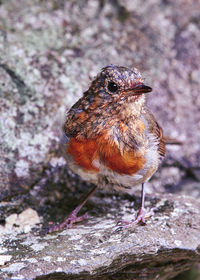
[
  {"x": 111, "y": 136},
  {"x": 119, "y": 120}
]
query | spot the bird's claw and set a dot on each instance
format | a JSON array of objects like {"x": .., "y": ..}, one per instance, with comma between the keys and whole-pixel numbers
[
  {"x": 141, "y": 216},
  {"x": 68, "y": 223}
]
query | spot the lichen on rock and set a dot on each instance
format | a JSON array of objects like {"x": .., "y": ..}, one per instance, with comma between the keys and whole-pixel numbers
[{"x": 49, "y": 52}]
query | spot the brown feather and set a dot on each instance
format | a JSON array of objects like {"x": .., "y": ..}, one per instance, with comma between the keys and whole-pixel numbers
[{"x": 157, "y": 131}]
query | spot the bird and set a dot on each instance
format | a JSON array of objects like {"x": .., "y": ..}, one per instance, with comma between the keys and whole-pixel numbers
[{"x": 112, "y": 139}]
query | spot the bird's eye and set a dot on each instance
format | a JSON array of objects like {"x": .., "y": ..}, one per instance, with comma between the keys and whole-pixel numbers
[{"x": 112, "y": 87}]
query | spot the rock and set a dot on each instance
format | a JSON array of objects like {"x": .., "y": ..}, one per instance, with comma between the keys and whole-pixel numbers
[
  {"x": 22, "y": 222},
  {"x": 4, "y": 259},
  {"x": 46, "y": 65},
  {"x": 49, "y": 52},
  {"x": 167, "y": 245}
]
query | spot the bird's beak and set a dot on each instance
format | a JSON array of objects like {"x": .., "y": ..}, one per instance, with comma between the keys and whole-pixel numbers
[{"x": 138, "y": 89}]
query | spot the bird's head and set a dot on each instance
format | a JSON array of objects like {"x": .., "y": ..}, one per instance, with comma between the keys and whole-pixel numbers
[{"x": 119, "y": 84}]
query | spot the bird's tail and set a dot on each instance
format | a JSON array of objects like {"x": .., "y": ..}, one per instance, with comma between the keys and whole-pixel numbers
[{"x": 172, "y": 141}]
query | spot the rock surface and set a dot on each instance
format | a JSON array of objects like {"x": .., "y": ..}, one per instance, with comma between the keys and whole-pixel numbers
[
  {"x": 168, "y": 244},
  {"x": 49, "y": 52}
]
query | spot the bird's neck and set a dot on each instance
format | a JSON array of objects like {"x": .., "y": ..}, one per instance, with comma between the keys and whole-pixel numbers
[{"x": 132, "y": 108}]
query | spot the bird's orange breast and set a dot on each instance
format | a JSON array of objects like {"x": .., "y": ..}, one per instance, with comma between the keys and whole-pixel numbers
[
  {"x": 85, "y": 151},
  {"x": 127, "y": 162}
]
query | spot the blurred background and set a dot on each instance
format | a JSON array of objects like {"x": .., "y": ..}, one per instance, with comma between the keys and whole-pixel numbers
[{"x": 49, "y": 53}]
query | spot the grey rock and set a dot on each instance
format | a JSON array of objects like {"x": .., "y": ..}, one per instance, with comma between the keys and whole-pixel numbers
[
  {"x": 168, "y": 244},
  {"x": 49, "y": 52}
]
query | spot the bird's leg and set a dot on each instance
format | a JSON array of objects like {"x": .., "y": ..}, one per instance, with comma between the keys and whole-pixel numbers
[
  {"x": 141, "y": 215},
  {"x": 72, "y": 217}
]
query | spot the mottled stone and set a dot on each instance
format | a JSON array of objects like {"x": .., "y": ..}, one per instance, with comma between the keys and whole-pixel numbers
[
  {"x": 46, "y": 64},
  {"x": 167, "y": 245},
  {"x": 49, "y": 52},
  {"x": 22, "y": 222}
]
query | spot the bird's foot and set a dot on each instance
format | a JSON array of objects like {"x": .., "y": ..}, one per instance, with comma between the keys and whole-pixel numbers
[
  {"x": 142, "y": 215},
  {"x": 68, "y": 222}
]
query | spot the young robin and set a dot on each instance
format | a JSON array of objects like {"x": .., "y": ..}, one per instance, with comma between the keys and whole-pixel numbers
[{"x": 112, "y": 137}]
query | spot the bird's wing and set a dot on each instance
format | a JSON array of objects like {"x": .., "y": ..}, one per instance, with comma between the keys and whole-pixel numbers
[{"x": 156, "y": 130}]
